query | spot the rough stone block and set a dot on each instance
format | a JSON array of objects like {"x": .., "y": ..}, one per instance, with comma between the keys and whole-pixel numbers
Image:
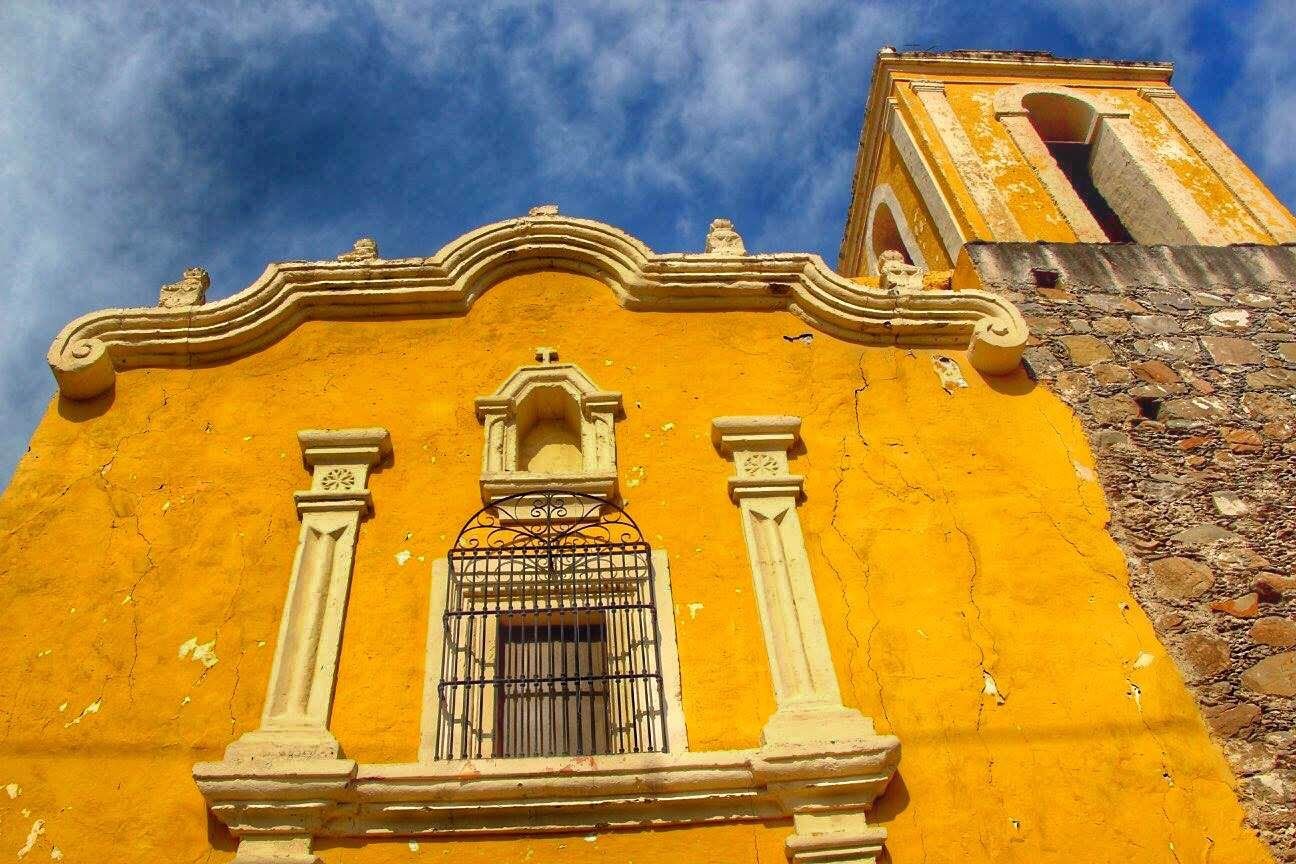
[
  {"x": 1273, "y": 676},
  {"x": 1231, "y": 351}
]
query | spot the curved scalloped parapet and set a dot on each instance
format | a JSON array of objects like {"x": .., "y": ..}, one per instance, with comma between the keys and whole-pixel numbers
[{"x": 87, "y": 353}]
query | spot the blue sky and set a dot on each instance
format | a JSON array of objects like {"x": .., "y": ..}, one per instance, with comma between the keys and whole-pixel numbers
[{"x": 138, "y": 139}]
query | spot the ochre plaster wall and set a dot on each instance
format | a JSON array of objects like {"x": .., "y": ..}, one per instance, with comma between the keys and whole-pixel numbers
[{"x": 975, "y": 605}]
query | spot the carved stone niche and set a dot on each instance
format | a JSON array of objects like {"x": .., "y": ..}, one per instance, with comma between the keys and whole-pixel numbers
[{"x": 549, "y": 426}]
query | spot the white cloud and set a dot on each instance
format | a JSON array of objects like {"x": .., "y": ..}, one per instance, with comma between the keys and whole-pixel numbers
[
  {"x": 98, "y": 186},
  {"x": 1263, "y": 101}
]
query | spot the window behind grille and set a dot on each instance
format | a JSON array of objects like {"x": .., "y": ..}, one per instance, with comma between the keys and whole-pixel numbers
[
  {"x": 550, "y": 637},
  {"x": 551, "y": 696}
]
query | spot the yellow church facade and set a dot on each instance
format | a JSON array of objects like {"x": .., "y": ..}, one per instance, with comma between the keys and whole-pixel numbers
[{"x": 551, "y": 547}]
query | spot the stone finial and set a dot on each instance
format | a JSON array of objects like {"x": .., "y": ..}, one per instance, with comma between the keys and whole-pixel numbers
[
  {"x": 544, "y": 354},
  {"x": 191, "y": 290},
  {"x": 364, "y": 249},
  {"x": 722, "y": 239},
  {"x": 543, "y": 210},
  {"x": 898, "y": 276}
]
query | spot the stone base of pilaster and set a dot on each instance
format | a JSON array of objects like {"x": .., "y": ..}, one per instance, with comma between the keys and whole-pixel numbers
[
  {"x": 844, "y": 838},
  {"x": 275, "y": 850},
  {"x": 274, "y": 745},
  {"x": 816, "y": 722}
]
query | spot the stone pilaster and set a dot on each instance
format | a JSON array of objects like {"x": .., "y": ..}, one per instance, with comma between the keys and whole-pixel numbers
[
  {"x": 801, "y": 665},
  {"x": 294, "y": 723}
]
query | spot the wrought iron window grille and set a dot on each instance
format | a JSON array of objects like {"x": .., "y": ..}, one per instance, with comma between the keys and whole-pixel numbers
[{"x": 551, "y": 638}]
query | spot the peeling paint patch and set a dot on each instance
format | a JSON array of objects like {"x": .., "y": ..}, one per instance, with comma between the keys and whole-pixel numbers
[
  {"x": 13, "y": 790},
  {"x": 694, "y": 608},
  {"x": 203, "y": 653},
  {"x": 1084, "y": 472},
  {"x": 63, "y": 707},
  {"x": 1144, "y": 660},
  {"x": 413, "y": 846},
  {"x": 949, "y": 373},
  {"x": 1135, "y": 692},
  {"x": 591, "y": 838},
  {"x": 92, "y": 708},
  {"x": 990, "y": 688},
  {"x": 666, "y": 427},
  {"x": 37, "y": 829},
  {"x": 402, "y": 556},
  {"x": 56, "y": 854},
  {"x": 637, "y": 475}
]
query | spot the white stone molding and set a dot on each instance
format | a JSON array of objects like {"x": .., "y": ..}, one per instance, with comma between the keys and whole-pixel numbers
[
  {"x": 1151, "y": 202},
  {"x": 554, "y": 391},
  {"x": 924, "y": 179},
  {"x": 1271, "y": 216},
  {"x": 676, "y": 728},
  {"x": 294, "y": 722},
  {"x": 86, "y": 355},
  {"x": 884, "y": 196},
  {"x": 801, "y": 665},
  {"x": 970, "y": 167}
]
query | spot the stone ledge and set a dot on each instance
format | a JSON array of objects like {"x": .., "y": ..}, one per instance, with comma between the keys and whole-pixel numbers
[{"x": 338, "y": 798}]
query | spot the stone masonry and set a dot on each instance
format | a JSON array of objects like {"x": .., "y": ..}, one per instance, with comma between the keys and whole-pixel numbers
[{"x": 1181, "y": 364}]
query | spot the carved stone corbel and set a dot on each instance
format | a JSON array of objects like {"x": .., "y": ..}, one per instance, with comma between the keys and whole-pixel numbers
[{"x": 810, "y": 710}]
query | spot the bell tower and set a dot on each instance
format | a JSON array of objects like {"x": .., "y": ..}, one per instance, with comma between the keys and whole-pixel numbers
[{"x": 1024, "y": 146}]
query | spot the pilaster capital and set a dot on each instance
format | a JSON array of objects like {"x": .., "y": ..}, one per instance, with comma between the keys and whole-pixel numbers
[
  {"x": 759, "y": 432},
  {"x": 759, "y": 446},
  {"x": 1150, "y": 93},
  {"x": 340, "y": 461},
  {"x": 927, "y": 86}
]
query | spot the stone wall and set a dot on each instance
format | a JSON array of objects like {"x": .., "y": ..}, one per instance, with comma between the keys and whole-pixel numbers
[{"x": 1181, "y": 364}]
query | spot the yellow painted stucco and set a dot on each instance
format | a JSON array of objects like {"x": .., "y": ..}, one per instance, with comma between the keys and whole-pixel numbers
[
  {"x": 892, "y": 171},
  {"x": 975, "y": 605}
]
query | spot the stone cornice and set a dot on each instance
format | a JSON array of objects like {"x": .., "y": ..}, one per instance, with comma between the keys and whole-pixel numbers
[{"x": 87, "y": 353}]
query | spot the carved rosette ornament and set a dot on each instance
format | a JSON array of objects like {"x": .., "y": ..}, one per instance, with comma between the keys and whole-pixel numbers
[
  {"x": 191, "y": 290},
  {"x": 809, "y": 702}
]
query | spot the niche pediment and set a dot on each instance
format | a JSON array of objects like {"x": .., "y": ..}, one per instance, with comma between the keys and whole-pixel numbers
[{"x": 549, "y": 426}]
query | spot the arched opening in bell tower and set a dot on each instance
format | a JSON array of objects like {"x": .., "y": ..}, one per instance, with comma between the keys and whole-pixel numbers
[{"x": 1069, "y": 128}]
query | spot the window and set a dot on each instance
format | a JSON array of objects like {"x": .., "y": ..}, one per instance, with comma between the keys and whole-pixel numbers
[
  {"x": 551, "y": 644},
  {"x": 1068, "y": 129},
  {"x": 551, "y": 691}
]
